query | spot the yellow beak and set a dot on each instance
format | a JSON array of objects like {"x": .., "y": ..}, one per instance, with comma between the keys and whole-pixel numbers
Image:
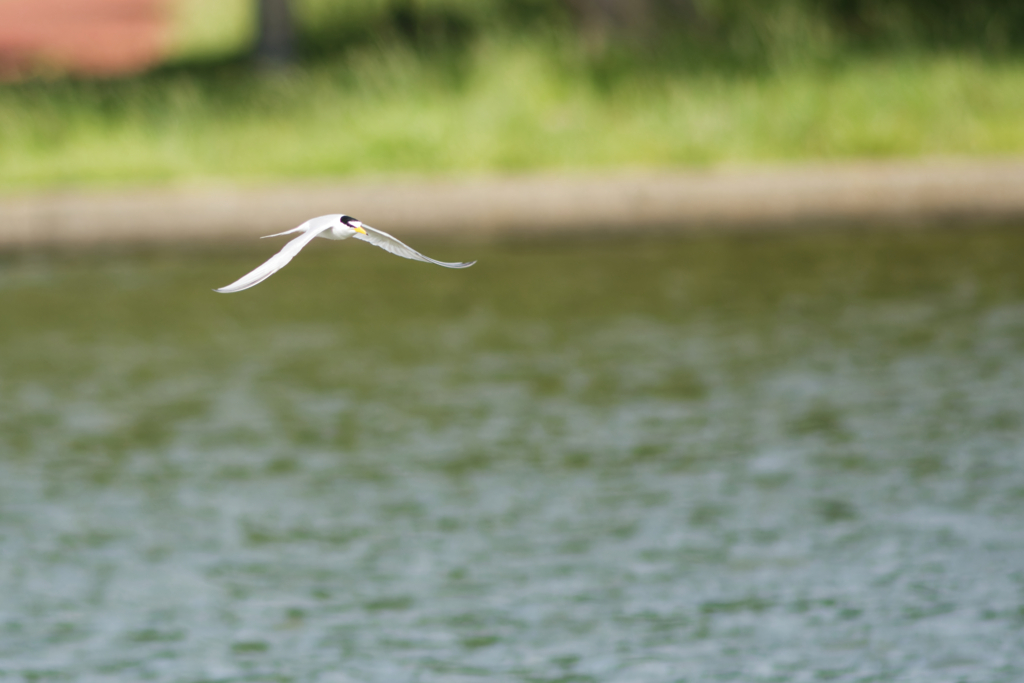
[{"x": 359, "y": 229}]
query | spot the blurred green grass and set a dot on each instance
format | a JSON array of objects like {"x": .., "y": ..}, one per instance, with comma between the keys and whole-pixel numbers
[{"x": 455, "y": 91}]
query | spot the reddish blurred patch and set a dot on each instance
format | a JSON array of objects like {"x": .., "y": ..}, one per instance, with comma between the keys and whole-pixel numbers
[{"x": 85, "y": 37}]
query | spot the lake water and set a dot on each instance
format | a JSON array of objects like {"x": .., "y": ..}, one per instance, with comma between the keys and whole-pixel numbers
[{"x": 789, "y": 457}]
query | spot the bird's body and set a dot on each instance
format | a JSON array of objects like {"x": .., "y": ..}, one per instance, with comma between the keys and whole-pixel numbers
[{"x": 333, "y": 226}]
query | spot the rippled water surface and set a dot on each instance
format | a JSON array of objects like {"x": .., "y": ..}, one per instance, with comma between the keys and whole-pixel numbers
[{"x": 796, "y": 457}]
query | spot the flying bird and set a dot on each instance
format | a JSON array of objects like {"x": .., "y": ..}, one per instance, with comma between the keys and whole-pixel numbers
[{"x": 335, "y": 226}]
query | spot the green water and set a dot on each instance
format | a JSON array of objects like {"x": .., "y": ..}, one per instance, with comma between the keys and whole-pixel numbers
[{"x": 792, "y": 457}]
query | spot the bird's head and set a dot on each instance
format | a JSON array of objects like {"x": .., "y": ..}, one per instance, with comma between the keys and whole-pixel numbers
[{"x": 352, "y": 224}]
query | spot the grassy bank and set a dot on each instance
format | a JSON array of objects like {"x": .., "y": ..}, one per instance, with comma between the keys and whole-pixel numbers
[{"x": 501, "y": 106}]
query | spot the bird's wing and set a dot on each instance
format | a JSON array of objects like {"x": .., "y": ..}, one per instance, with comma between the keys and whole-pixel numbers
[
  {"x": 276, "y": 262},
  {"x": 399, "y": 248}
]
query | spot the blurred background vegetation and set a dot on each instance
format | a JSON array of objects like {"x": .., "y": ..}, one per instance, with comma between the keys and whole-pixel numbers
[{"x": 469, "y": 86}]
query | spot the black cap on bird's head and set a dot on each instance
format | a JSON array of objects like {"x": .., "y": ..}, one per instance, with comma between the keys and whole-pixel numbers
[{"x": 353, "y": 223}]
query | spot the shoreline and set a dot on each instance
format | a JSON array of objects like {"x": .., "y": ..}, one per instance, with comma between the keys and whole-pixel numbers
[{"x": 891, "y": 193}]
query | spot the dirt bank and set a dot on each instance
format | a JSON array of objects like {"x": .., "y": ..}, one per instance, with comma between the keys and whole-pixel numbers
[{"x": 869, "y": 193}]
